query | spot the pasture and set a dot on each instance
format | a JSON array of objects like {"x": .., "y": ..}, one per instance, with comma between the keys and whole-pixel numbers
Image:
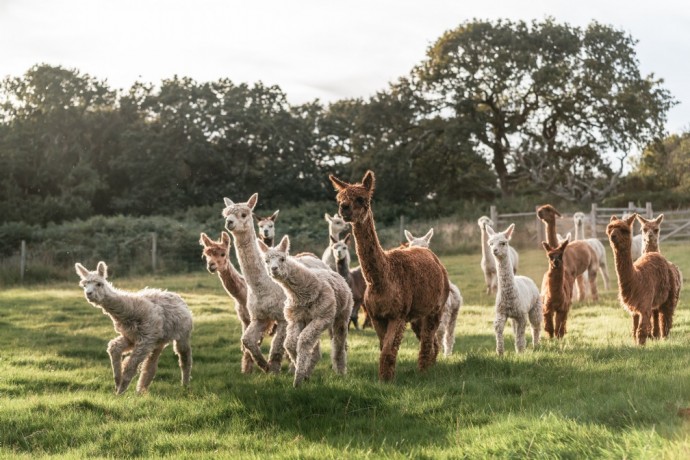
[{"x": 592, "y": 395}]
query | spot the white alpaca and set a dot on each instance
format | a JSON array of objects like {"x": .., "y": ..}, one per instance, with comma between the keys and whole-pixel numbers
[
  {"x": 336, "y": 225},
  {"x": 264, "y": 297},
  {"x": 637, "y": 240},
  {"x": 147, "y": 321},
  {"x": 316, "y": 300},
  {"x": 267, "y": 227},
  {"x": 446, "y": 329},
  {"x": 598, "y": 247},
  {"x": 488, "y": 264},
  {"x": 517, "y": 297}
]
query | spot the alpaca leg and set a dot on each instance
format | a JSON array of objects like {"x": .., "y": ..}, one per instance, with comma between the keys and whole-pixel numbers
[
  {"x": 149, "y": 368},
  {"x": 561, "y": 319},
  {"x": 494, "y": 283},
  {"x": 116, "y": 347},
  {"x": 277, "y": 347},
  {"x": 548, "y": 323},
  {"x": 183, "y": 349},
  {"x": 643, "y": 329},
  {"x": 593, "y": 283},
  {"x": 305, "y": 349},
  {"x": 499, "y": 326},
  {"x": 581, "y": 288},
  {"x": 389, "y": 350},
  {"x": 520, "y": 327},
  {"x": 636, "y": 324},
  {"x": 666, "y": 318},
  {"x": 291, "y": 337},
  {"x": 449, "y": 334},
  {"x": 535, "y": 316},
  {"x": 489, "y": 282},
  {"x": 339, "y": 345},
  {"x": 251, "y": 339},
  {"x": 380, "y": 326},
  {"x": 605, "y": 274},
  {"x": 354, "y": 317},
  {"x": 656, "y": 325},
  {"x": 247, "y": 364},
  {"x": 131, "y": 364},
  {"x": 429, "y": 344}
]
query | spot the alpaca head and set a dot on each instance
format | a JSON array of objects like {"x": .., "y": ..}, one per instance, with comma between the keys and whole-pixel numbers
[
  {"x": 238, "y": 216},
  {"x": 619, "y": 232},
  {"x": 267, "y": 225},
  {"x": 579, "y": 218},
  {"x": 555, "y": 255},
  {"x": 650, "y": 229},
  {"x": 548, "y": 214},
  {"x": 484, "y": 221},
  {"x": 216, "y": 253},
  {"x": 336, "y": 224},
  {"x": 340, "y": 248},
  {"x": 422, "y": 242},
  {"x": 354, "y": 200},
  {"x": 499, "y": 241},
  {"x": 275, "y": 258},
  {"x": 95, "y": 284}
]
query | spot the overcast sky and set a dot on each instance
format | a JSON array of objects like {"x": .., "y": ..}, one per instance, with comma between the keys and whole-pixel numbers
[{"x": 310, "y": 48}]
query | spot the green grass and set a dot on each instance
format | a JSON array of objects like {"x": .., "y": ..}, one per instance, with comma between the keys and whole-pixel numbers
[{"x": 592, "y": 395}]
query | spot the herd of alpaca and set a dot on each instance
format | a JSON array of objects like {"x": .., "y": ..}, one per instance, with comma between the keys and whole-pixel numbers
[{"x": 295, "y": 299}]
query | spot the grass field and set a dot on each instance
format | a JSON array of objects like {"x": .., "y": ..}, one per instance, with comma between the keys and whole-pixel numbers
[{"x": 592, "y": 395}]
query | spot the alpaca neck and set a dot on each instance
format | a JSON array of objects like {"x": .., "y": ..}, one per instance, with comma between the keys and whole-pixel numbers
[
  {"x": 551, "y": 237},
  {"x": 267, "y": 240},
  {"x": 343, "y": 267},
  {"x": 233, "y": 282},
  {"x": 486, "y": 255},
  {"x": 301, "y": 281},
  {"x": 371, "y": 256},
  {"x": 115, "y": 305},
  {"x": 622, "y": 256},
  {"x": 556, "y": 280},
  {"x": 506, "y": 277},
  {"x": 580, "y": 231},
  {"x": 250, "y": 259},
  {"x": 650, "y": 246}
]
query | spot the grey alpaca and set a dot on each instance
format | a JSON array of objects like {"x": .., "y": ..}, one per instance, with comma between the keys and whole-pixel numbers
[
  {"x": 317, "y": 300},
  {"x": 147, "y": 321}
]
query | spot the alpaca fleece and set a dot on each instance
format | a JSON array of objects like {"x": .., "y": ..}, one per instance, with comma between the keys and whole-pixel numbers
[
  {"x": 403, "y": 285},
  {"x": 147, "y": 322},
  {"x": 648, "y": 288}
]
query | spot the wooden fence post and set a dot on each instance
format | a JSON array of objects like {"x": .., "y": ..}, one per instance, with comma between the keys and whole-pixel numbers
[
  {"x": 540, "y": 228},
  {"x": 650, "y": 213},
  {"x": 401, "y": 236},
  {"x": 493, "y": 215},
  {"x": 154, "y": 250},
  {"x": 593, "y": 220},
  {"x": 22, "y": 261}
]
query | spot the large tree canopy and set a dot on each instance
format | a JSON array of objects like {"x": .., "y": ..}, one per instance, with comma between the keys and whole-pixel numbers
[{"x": 547, "y": 101}]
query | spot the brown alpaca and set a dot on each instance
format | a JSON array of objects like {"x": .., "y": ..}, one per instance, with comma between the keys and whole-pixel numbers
[
  {"x": 650, "y": 233},
  {"x": 556, "y": 291},
  {"x": 267, "y": 229},
  {"x": 403, "y": 285},
  {"x": 648, "y": 288},
  {"x": 580, "y": 258}
]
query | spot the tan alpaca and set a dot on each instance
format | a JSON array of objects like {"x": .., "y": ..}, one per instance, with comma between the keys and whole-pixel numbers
[
  {"x": 316, "y": 300},
  {"x": 403, "y": 284},
  {"x": 650, "y": 233},
  {"x": 556, "y": 290},
  {"x": 580, "y": 258},
  {"x": 648, "y": 288},
  {"x": 267, "y": 227},
  {"x": 147, "y": 322}
]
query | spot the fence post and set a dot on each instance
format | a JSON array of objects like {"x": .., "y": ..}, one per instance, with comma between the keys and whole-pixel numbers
[
  {"x": 540, "y": 228},
  {"x": 401, "y": 236},
  {"x": 154, "y": 250},
  {"x": 22, "y": 261},
  {"x": 648, "y": 205},
  {"x": 593, "y": 219},
  {"x": 493, "y": 215}
]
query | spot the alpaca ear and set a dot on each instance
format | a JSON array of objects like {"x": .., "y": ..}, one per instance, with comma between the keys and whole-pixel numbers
[
  {"x": 81, "y": 270},
  {"x": 641, "y": 219},
  {"x": 346, "y": 240},
  {"x": 284, "y": 245},
  {"x": 408, "y": 235},
  {"x": 251, "y": 202},
  {"x": 333, "y": 239},
  {"x": 546, "y": 246},
  {"x": 509, "y": 231},
  {"x": 204, "y": 240},
  {"x": 225, "y": 238},
  {"x": 613, "y": 219},
  {"x": 659, "y": 218},
  {"x": 327, "y": 217},
  {"x": 102, "y": 269},
  {"x": 338, "y": 185},
  {"x": 564, "y": 243},
  {"x": 263, "y": 246},
  {"x": 489, "y": 231},
  {"x": 228, "y": 202},
  {"x": 429, "y": 234},
  {"x": 368, "y": 180},
  {"x": 568, "y": 237},
  {"x": 274, "y": 216},
  {"x": 631, "y": 219}
]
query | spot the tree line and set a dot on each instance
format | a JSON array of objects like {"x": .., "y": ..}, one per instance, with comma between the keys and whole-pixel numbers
[{"x": 494, "y": 109}]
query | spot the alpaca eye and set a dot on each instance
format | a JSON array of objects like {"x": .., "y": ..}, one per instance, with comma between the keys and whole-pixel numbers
[
  {"x": 99, "y": 284},
  {"x": 282, "y": 259},
  {"x": 244, "y": 215},
  {"x": 360, "y": 200}
]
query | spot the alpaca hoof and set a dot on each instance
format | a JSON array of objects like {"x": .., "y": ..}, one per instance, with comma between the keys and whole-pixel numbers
[{"x": 274, "y": 368}]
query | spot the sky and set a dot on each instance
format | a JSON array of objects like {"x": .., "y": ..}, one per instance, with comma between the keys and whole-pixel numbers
[{"x": 325, "y": 49}]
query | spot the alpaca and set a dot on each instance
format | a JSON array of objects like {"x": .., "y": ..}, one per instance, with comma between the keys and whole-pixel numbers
[
  {"x": 650, "y": 233},
  {"x": 264, "y": 297},
  {"x": 217, "y": 255},
  {"x": 556, "y": 290},
  {"x": 267, "y": 229},
  {"x": 147, "y": 322},
  {"x": 517, "y": 297},
  {"x": 578, "y": 259},
  {"x": 316, "y": 300},
  {"x": 359, "y": 286},
  {"x": 403, "y": 285},
  {"x": 446, "y": 330},
  {"x": 336, "y": 225},
  {"x": 488, "y": 264},
  {"x": 341, "y": 254},
  {"x": 637, "y": 240},
  {"x": 598, "y": 247},
  {"x": 648, "y": 287}
]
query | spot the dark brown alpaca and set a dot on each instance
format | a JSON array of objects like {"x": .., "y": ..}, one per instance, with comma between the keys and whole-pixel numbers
[
  {"x": 556, "y": 291},
  {"x": 649, "y": 288},
  {"x": 580, "y": 258},
  {"x": 403, "y": 285}
]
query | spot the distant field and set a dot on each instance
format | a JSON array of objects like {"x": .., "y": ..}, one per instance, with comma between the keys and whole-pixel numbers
[{"x": 592, "y": 395}]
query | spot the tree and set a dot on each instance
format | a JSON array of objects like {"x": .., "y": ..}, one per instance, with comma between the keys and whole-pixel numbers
[{"x": 549, "y": 104}]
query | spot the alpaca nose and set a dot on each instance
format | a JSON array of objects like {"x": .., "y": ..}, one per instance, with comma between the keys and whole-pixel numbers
[{"x": 229, "y": 225}]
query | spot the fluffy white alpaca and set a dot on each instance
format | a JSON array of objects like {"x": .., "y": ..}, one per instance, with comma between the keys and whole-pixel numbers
[
  {"x": 264, "y": 297},
  {"x": 517, "y": 297},
  {"x": 446, "y": 329},
  {"x": 336, "y": 225},
  {"x": 317, "y": 300},
  {"x": 488, "y": 264},
  {"x": 598, "y": 247},
  {"x": 147, "y": 321}
]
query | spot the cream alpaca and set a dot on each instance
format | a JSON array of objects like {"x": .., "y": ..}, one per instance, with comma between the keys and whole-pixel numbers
[
  {"x": 650, "y": 233},
  {"x": 596, "y": 245},
  {"x": 517, "y": 297},
  {"x": 317, "y": 300},
  {"x": 264, "y": 297},
  {"x": 336, "y": 225},
  {"x": 488, "y": 264},
  {"x": 147, "y": 321}
]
